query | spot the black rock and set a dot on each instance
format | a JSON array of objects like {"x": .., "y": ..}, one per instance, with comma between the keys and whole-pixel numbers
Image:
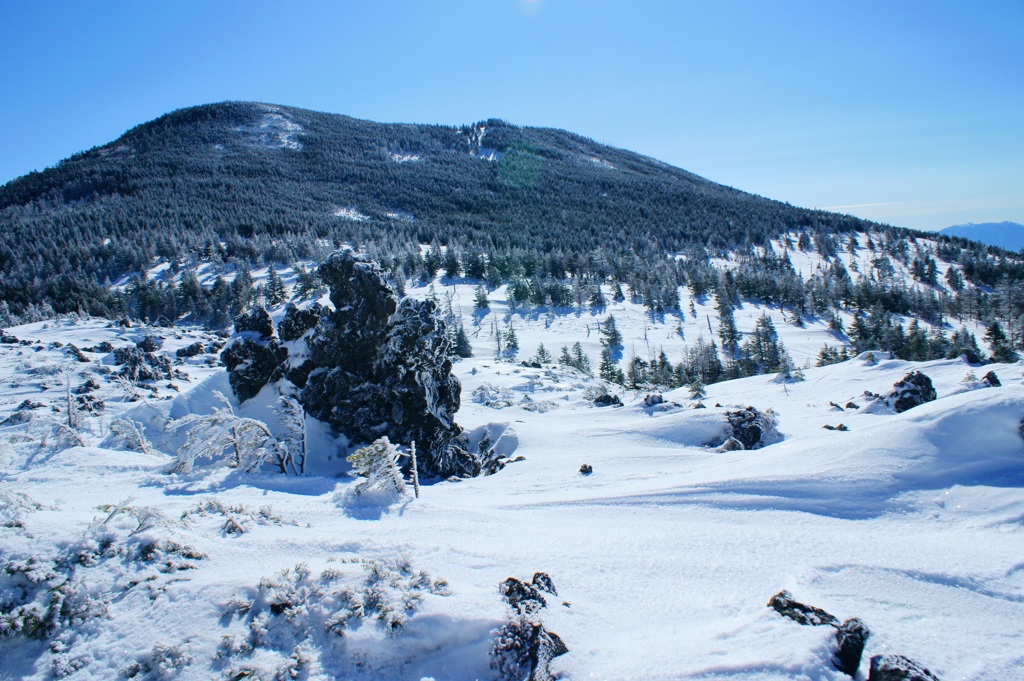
[
  {"x": 257, "y": 321},
  {"x": 72, "y": 351},
  {"x": 851, "y": 637},
  {"x": 586, "y": 469},
  {"x": 137, "y": 365},
  {"x": 86, "y": 387},
  {"x": 751, "y": 428},
  {"x": 852, "y": 405},
  {"x": 150, "y": 343},
  {"x": 7, "y": 338},
  {"x": 911, "y": 391},
  {"x": 90, "y": 404},
  {"x": 784, "y": 604},
  {"x": 898, "y": 668},
  {"x": 297, "y": 322},
  {"x": 992, "y": 380},
  {"x": 383, "y": 368},
  {"x": 542, "y": 581},
  {"x": 191, "y": 350},
  {"x": 251, "y": 365},
  {"x": 531, "y": 365},
  {"x": 103, "y": 347},
  {"x": 606, "y": 400},
  {"x": 524, "y": 598}
]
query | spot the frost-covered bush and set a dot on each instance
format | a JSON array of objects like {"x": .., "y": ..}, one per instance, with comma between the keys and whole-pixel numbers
[
  {"x": 54, "y": 597},
  {"x": 249, "y": 441},
  {"x": 378, "y": 466},
  {"x": 302, "y": 614},
  {"x": 238, "y": 519},
  {"x": 128, "y": 432}
]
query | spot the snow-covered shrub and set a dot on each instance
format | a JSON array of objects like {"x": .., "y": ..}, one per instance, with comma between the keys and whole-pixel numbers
[
  {"x": 301, "y": 610},
  {"x": 129, "y": 433},
  {"x": 208, "y": 435},
  {"x": 238, "y": 519},
  {"x": 291, "y": 455},
  {"x": 377, "y": 464},
  {"x": 162, "y": 662},
  {"x": 492, "y": 396},
  {"x": 522, "y": 647}
]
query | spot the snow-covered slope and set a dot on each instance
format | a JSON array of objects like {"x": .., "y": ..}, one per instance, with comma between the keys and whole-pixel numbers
[{"x": 663, "y": 558}]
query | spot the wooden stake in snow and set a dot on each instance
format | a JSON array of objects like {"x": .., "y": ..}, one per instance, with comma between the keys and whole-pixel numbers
[{"x": 415, "y": 473}]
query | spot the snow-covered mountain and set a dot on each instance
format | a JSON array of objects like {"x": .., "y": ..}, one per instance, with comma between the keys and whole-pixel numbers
[
  {"x": 662, "y": 557},
  {"x": 1008, "y": 235}
]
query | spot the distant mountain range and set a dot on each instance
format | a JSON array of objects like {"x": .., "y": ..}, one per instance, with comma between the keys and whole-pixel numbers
[{"x": 1008, "y": 235}]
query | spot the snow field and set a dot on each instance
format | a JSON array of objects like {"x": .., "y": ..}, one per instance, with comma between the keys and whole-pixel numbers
[{"x": 666, "y": 555}]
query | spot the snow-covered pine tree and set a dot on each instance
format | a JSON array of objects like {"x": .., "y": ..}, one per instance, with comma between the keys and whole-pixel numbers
[{"x": 378, "y": 465}]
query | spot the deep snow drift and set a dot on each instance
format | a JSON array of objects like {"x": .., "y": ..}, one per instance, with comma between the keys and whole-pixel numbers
[{"x": 664, "y": 557}]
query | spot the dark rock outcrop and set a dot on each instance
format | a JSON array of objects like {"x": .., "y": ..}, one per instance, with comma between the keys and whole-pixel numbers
[
  {"x": 752, "y": 428},
  {"x": 138, "y": 365},
  {"x": 192, "y": 350},
  {"x": 256, "y": 322},
  {"x": 784, "y": 604},
  {"x": 586, "y": 469},
  {"x": 851, "y": 637},
  {"x": 898, "y": 668},
  {"x": 992, "y": 380},
  {"x": 252, "y": 364},
  {"x": 383, "y": 368},
  {"x": 607, "y": 400},
  {"x": 150, "y": 343},
  {"x": 297, "y": 322},
  {"x": 911, "y": 391}
]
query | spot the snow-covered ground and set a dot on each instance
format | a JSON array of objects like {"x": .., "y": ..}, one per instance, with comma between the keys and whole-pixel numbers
[{"x": 664, "y": 557}]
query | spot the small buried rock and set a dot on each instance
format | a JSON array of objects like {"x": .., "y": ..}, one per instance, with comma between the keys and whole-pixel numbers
[
  {"x": 852, "y": 405},
  {"x": 784, "y": 604},
  {"x": 586, "y": 469},
  {"x": 653, "y": 400},
  {"x": 850, "y": 640},
  {"x": 898, "y": 668}
]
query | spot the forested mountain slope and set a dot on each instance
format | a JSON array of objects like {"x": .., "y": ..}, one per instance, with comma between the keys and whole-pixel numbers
[
  {"x": 262, "y": 183},
  {"x": 235, "y": 187}
]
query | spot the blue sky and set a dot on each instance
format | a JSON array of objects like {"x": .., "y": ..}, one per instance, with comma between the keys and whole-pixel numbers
[{"x": 910, "y": 113}]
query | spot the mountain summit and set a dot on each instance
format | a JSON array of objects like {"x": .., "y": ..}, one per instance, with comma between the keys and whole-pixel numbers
[{"x": 259, "y": 182}]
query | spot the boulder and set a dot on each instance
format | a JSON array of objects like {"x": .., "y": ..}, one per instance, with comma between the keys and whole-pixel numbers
[
  {"x": 606, "y": 400},
  {"x": 753, "y": 428},
  {"x": 296, "y": 322},
  {"x": 911, "y": 391},
  {"x": 992, "y": 380},
  {"x": 653, "y": 400},
  {"x": 192, "y": 350},
  {"x": 256, "y": 322},
  {"x": 138, "y": 365},
  {"x": 851, "y": 637},
  {"x": 586, "y": 469},
  {"x": 150, "y": 343},
  {"x": 252, "y": 364},
  {"x": 898, "y": 668}
]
